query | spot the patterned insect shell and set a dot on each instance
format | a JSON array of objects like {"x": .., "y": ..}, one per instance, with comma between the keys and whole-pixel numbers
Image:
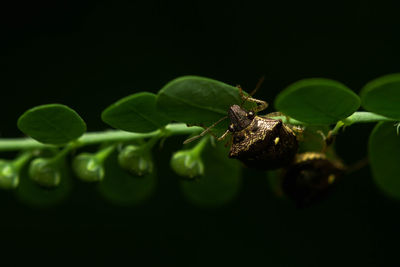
[
  {"x": 264, "y": 144},
  {"x": 310, "y": 177}
]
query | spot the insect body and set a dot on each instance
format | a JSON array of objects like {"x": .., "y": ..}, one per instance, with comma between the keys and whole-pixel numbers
[{"x": 260, "y": 142}]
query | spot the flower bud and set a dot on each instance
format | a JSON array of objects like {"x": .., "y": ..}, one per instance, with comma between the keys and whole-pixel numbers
[
  {"x": 88, "y": 167},
  {"x": 187, "y": 164},
  {"x": 44, "y": 172},
  {"x": 9, "y": 178},
  {"x": 136, "y": 160}
]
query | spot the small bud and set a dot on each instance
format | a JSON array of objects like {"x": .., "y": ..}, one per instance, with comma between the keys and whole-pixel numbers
[
  {"x": 187, "y": 164},
  {"x": 44, "y": 172},
  {"x": 88, "y": 167},
  {"x": 9, "y": 178},
  {"x": 136, "y": 160}
]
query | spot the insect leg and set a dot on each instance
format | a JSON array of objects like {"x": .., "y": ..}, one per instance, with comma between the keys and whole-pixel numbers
[
  {"x": 261, "y": 105},
  {"x": 204, "y": 132},
  {"x": 222, "y": 137},
  {"x": 259, "y": 83}
]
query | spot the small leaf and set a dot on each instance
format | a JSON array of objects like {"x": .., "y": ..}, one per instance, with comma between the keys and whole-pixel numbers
[
  {"x": 382, "y": 96},
  {"x": 384, "y": 156},
  {"x": 135, "y": 113},
  {"x": 197, "y": 100},
  {"x": 52, "y": 124},
  {"x": 220, "y": 183},
  {"x": 317, "y": 101}
]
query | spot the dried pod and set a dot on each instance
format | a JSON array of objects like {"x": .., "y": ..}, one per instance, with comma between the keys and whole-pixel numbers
[{"x": 310, "y": 177}]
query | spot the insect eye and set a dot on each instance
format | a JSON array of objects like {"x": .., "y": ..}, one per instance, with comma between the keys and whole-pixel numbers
[
  {"x": 250, "y": 115},
  {"x": 231, "y": 128}
]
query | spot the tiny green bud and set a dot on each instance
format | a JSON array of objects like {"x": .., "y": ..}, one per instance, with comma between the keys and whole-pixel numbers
[
  {"x": 88, "y": 167},
  {"x": 9, "y": 177},
  {"x": 44, "y": 172},
  {"x": 136, "y": 160},
  {"x": 187, "y": 164}
]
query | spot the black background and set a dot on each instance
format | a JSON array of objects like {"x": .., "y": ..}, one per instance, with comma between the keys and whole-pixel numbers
[{"x": 89, "y": 54}]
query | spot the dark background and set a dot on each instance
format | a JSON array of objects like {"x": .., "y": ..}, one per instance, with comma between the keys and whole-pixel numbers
[{"x": 89, "y": 54}]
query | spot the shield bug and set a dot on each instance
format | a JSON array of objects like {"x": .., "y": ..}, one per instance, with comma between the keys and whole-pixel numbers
[
  {"x": 259, "y": 142},
  {"x": 310, "y": 177}
]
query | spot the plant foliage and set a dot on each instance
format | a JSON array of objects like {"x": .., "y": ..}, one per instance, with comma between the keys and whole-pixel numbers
[
  {"x": 135, "y": 113},
  {"x": 52, "y": 124},
  {"x": 124, "y": 168},
  {"x": 316, "y": 101},
  {"x": 382, "y": 96}
]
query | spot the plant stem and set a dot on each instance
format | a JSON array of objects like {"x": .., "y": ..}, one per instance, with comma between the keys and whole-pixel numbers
[
  {"x": 288, "y": 120},
  {"x": 61, "y": 155},
  {"x": 200, "y": 146},
  {"x": 13, "y": 144},
  {"x": 365, "y": 117},
  {"x": 359, "y": 117},
  {"x": 22, "y": 159},
  {"x": 104, "y": 153},
  {"x": 356, "y": 117}
]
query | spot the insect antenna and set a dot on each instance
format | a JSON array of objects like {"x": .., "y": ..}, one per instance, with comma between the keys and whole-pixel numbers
[
  {"x": 258, "y": 85},
  {"x": 204, "y": 132}
]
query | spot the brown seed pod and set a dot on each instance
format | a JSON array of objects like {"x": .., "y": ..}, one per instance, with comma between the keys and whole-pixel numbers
[
  {"x": 310, "y": 177},
  {"x": 259, "y": 142}
]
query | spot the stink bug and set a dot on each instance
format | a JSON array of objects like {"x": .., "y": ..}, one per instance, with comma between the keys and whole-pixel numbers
[{"x": 259, "y": 142}]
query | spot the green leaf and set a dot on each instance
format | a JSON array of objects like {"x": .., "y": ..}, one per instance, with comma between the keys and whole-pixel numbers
[
  {"x": 220, "y": 183},
  {"x": 317, "y": 101},
  {"x": 197, "y": 100},
  {"x": 384, "y": 156},
  {"x": 382, "y": 96},
  {"x": 52, "y": 124},
  {"x": 135, "y": 113}
]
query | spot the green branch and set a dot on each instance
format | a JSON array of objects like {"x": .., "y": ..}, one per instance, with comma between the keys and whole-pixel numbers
[
  {"x": 13, "y": 144},
  {"x": 356, "y": 117},
  {"x": 359, "y": 117}
]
